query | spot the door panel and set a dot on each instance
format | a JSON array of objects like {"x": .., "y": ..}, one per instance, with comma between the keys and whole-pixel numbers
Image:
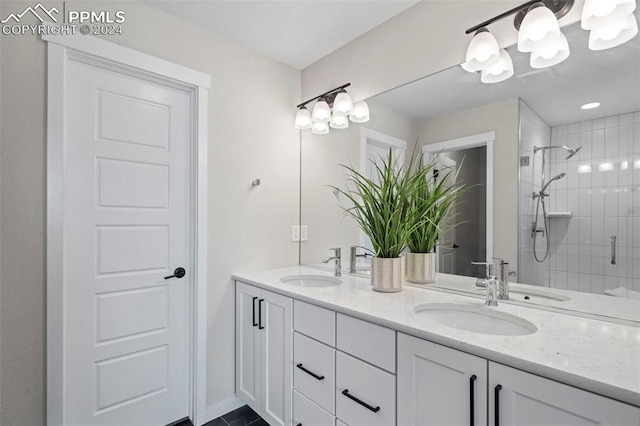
[
  {"x": 276, "y": 375},
  {"x": 248, "y": 346},
  {"x": 126, "y": 327}
]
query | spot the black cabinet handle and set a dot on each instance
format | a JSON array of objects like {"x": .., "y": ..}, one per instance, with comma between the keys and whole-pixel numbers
[
  {"x": 496, "y": 397},
  {"x": 254, "y": 312},
  {"x": 472, "y": 408},
  {"x": 178, "y": 273},
  {"x": 311, "y": 373},
  {"x": 299, "y": 424},
  {"x": 260, "y": 327},
  {"x": 364, "y": 404}
]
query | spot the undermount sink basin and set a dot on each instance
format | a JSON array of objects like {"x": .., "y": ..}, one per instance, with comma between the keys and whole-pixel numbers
[
  {"x": 478, "y": 319},
  {"x": 310, "y": 280}
]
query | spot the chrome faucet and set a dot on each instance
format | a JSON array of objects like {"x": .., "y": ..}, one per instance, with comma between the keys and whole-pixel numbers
[
  {"x": 355, "y": 256},
  {"x": 337, "y": 257},
  {"x": 502, "y": 275},
  {"x": 491, "y": 283}
]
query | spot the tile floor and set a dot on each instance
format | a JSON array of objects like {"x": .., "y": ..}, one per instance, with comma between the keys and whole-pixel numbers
[{"x": 243, "y": 416}]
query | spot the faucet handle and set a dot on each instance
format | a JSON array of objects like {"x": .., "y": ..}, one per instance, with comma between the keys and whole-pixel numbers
[{"x": 337, "y": 250}]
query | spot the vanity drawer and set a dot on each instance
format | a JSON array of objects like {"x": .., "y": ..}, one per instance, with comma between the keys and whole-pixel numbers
[
  {"x": 370, "y": 342},
  {"x": 306, "y": 413},
  {"x": 315, "y": 322},
  {"x": 318, "y": 359},
  {"x": 357, "y": 384}
]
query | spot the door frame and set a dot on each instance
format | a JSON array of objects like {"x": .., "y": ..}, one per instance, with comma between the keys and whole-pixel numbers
[
  {"x": 474, "y": 141},
  {"x": 107, "y": 55},
  {"x": 373, "y": 137}
]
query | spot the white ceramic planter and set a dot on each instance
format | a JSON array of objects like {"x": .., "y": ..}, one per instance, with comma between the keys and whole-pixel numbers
[
  {"x": 421, "y": 268},
  {"x": 387, "y": 274}
]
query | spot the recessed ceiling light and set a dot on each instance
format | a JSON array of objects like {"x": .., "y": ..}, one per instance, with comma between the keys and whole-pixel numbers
[{"x": 591, "y": 105}]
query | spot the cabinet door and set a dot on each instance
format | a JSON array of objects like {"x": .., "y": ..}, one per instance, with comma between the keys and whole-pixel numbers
[
  {"x": 247, "y": 345},
  {"x": 435, "y": 385},
  {"x": 527, "y": 399},
  {"x": 275, "y": 339}
]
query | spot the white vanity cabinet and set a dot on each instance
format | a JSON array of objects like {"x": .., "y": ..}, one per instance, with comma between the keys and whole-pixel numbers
[
  {"x": 263, "y": 352},
  {"x": 520, "y": 398},
  {"x": 443, "y": 386},
  {"x": 439, "y": 386}
]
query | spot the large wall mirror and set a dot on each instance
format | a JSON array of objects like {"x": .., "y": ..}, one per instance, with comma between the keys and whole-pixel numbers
[{"x": 583, "y": 234}]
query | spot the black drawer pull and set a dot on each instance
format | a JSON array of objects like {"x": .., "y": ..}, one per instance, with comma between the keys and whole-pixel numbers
[
  {"x": 472, "y": 408},
  {"x": 299, "y": 424},
  {"x": 311, "y": 373},
  {"x": 255, "y": 324},
  {"x": 364, "y": 404},
  {"x": 260, "y": 326},
  {"x": 496, "y": 397}
]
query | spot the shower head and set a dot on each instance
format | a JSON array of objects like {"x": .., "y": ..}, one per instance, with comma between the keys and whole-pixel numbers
[
  {"x": 571, "y": 151},
  {"x": 560, "y": 176}
]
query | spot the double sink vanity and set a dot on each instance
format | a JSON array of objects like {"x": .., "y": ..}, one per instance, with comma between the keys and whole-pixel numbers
[{"x": 316, "y": 349}]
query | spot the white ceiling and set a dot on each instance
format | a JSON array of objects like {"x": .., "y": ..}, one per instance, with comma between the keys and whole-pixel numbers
[
  {"x": 296, "y": 32},
  {"x": 611, "y": 77}
]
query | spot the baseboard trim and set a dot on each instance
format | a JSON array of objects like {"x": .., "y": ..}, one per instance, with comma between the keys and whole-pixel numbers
[{"x": 221, "y": 408}]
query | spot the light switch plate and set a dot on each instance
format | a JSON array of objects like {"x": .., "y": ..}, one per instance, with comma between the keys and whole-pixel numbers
[
  {"x": 295, "y": 233},
  {"x": 304, "y": 232}
]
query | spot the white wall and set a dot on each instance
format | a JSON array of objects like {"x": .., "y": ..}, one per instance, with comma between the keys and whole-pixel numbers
[
  {"x": 250, "y": 136},
  {"x": 501, "y": 117}
]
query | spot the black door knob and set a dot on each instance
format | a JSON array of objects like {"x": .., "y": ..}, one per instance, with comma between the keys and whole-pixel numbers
[
  {"x": 455, "y": 245},
  {"x": 178, "y": 273}
]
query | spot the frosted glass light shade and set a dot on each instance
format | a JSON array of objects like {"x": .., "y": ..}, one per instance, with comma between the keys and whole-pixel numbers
[
  {"x": 483, "y": 51},
  {"x": 303, "y": 119},
  {"x": 342, "y": 104},
  {"x": 320, "y": 128},
  {"x": 539, "y": 29},
  {"x": 339, "y": 121},
  {"x": 551, "y": 55},
  {"x": 321, "y": 112},
  {"x": 360, "y": 112},
  {"x": 501, "y": 71},
  {"x": 613, "y": 35},
  {"x": 601, "y": 13}
]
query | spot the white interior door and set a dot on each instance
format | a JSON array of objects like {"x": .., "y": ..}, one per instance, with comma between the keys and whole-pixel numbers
[
  {"x": 126, "y": 326},
  {"x": 447, "y": 238}
]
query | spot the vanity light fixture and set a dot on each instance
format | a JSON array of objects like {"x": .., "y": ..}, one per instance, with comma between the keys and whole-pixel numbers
[
  {"x": 483, "y": 51},
  {"x": 332, "y": 109},
  {"x": 501, "y": 71},
  {"x": 538, "y": 29},
  {"x": 590, "y": 105}
]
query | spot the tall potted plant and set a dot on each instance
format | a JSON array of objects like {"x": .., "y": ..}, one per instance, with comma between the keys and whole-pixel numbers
[
  {"x": 381, "y": 209},
  {"x": 430, "y": 203}
]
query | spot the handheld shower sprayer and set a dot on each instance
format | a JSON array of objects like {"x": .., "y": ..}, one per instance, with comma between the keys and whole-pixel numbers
[{"x": 560, "y": 176}]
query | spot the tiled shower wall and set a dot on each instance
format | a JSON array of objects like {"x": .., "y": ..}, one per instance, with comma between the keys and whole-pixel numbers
[
  {"x": 602, "y": 190},
  {"x": 533, "y": 132}
]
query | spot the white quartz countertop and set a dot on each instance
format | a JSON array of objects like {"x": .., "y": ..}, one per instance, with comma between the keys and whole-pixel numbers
[{"x": 598, "y": 356}]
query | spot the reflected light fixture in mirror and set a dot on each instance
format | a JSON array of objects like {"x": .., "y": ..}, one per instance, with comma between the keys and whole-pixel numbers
[
  {"x": 501, "y": 71},
  {"x": 321, "y": 112},
  {"x": 601, "y": 13},
  {"x": 613, "y": 35},
  {"x": 303, "y": 119},
  {"x": 334, "y": 109},
  {"x": 483, "y": 51},
  {"x": 360, "y": 112},
  {"x": 551, "y": 55},
  {"x": 320, "y": 128}
]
